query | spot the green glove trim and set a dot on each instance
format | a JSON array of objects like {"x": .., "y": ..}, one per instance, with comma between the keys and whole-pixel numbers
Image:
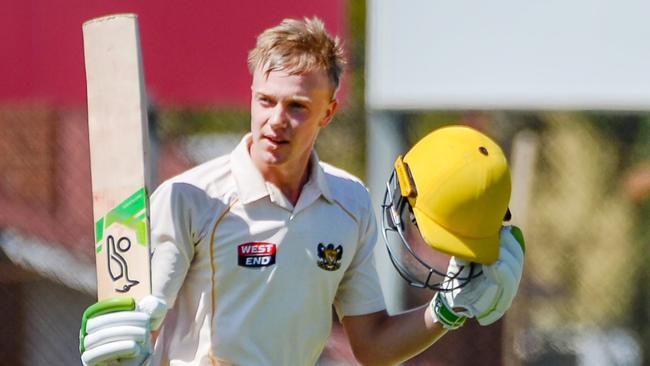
[
  {"x": 103, "y": 307},
  {"x": 444, "y": 315},
  {"x": 516, "y": 232}
]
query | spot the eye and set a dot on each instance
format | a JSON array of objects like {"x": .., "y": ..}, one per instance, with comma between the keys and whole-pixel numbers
[
  {"x": 297, "y": 106},
  {"x": 265, "y": 100}
]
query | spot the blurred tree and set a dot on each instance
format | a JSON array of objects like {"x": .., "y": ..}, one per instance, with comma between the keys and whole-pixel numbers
[{"x": 636, "y": 185}]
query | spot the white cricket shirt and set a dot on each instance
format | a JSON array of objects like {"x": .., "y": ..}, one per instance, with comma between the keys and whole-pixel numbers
[{"x": 252, "y": 279}]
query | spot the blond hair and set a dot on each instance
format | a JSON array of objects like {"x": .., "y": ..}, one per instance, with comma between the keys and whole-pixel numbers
[{"x": 297, "y": 47}]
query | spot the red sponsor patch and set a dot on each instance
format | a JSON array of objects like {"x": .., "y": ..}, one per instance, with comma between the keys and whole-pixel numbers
[{"x": 256, "y": 254}]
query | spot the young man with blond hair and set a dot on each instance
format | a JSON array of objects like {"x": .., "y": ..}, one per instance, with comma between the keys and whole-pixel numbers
[{"x": 251, "y": 250}]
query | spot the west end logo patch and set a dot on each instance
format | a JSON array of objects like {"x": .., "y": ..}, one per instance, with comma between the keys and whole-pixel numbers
[
  {"x": 256, "y": 254},
  {"x": 329, "y": 257}
]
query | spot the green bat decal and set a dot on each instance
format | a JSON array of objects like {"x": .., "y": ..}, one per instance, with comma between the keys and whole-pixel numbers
[{"x": 131, "y": 213}]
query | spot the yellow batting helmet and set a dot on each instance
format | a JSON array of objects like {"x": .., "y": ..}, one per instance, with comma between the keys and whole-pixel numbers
[{"x": 455, "y": 183}]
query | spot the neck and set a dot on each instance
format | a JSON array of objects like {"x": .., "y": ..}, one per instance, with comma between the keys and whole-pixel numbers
[{"x": 289, "y": 177}]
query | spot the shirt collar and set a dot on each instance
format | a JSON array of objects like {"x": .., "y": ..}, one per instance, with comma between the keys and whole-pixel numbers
[
  {"x": 251, "y": 186},
  {"x": 250, "y": 183},
  {"x": 317, "y": 177}
]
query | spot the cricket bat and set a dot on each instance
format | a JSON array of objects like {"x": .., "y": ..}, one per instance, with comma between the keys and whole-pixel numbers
[{"x": 118, "y": 136}]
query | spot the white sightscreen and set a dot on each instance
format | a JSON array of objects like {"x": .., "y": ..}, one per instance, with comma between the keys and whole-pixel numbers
[{"x": 508, "y": 54}]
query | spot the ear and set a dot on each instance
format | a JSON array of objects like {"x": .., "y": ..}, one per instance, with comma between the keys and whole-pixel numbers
[{"x": 329, "y": 113}]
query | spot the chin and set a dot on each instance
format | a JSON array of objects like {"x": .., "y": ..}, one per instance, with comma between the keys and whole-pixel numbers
[{"x": 274, "y": 159}]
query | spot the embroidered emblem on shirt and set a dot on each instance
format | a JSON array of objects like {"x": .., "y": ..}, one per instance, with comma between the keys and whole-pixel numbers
[
  {"x": 329, "y": 257},
  {"x": 256, "y": 254}
]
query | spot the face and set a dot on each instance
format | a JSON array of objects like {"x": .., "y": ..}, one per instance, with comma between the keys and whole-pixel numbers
[{"x": 287, "y": 112}]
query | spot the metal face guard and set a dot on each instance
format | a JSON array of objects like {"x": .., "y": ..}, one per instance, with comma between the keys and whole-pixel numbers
[{"x": 396, "y": 215}]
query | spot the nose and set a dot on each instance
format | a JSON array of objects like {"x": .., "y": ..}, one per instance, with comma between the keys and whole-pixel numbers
[{"x": 278, "y": 117}]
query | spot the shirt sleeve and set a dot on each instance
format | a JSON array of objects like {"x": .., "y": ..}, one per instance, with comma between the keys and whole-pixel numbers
[
  {"x": 171, "y": 240},
  {"x": 359, "y": 292}
]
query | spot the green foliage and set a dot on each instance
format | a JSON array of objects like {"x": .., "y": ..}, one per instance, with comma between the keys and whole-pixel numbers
[
  {"x": 343, "y": 142},
  {"x": 420, "y": 124},
  {"x": 174, "y": 123},
  {"x": 581, "y": 234}
]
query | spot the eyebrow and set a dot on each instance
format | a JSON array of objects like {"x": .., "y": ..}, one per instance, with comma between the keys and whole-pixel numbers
[{"x": 296, "y": 98}]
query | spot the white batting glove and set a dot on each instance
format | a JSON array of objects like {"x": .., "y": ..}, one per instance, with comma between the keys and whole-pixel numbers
[
  {"x": 118, "y": 332},
  {"x": 488, "y": 296}
]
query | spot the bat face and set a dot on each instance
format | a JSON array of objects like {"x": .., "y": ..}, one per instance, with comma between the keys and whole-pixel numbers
[
  {"x": 117, "y": 129},
  {"x": 121, "y": 239}
]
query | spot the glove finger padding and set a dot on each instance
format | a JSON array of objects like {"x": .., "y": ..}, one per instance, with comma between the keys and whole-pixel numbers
[
  {"x": 111, "y": 351},
  {"x": 483, "y": 299},
  {"x": 474, "y": 296},
  {"x": 124, "y": 353},
  {"x": 128, "y": 318},
  {"x": 506, "y": 274},
  {"x": 503, "y": 279},
  {"x": 123, "y": 336},
  {"x": 115, "y": 334}
]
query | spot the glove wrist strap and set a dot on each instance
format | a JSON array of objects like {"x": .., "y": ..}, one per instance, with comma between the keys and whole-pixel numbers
[{"x": 443, "y": 314}]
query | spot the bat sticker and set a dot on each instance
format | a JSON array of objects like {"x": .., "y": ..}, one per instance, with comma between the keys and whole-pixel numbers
[{"x": 118, "y": 268}]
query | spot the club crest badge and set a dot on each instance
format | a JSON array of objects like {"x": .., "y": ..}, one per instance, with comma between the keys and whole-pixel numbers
[{"x": 329, "y": 257}]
